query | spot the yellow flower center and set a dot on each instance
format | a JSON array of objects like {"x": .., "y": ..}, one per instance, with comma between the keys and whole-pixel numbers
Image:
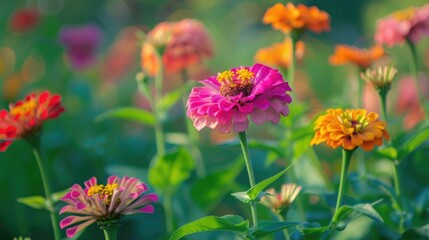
[
  {"x": 359, "y": 124},
  {"x": 405, "y": 14},
  {"x": 103, "y": 191},
  {"x": 24, "y": 108},
  {"x": 234, "y": 83}
]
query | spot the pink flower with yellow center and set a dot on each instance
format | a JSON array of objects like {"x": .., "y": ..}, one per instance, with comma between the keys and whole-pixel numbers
[
  {"x": 279, "y": 202},
  {"x": 409, "y": 24},
  {"x": 105, "y": 204},
  {"x": 227, "y": 100},
  {"x": 26, "y": 117}
]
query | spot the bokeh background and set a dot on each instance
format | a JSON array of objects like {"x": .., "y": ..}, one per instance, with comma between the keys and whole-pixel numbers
[{"x": 76, "y": 147}]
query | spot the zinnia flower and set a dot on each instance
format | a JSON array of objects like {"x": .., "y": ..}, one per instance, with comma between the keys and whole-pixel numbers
[
  {"x": 26, "y": 117},
  {"x": 24, "y": 20},
  {"x": 361, "y": 57},
  {"x": 226, "y": 100},
  {"x": 288, "y": 18},
  {"x": 279, "y": 202},
  {"x": 105, "y": 204},
  {"x": 349, "y": 129},
  {"x": 183, "y": 44},
  {"x": 279, "y": 54},
  {"x": 381, "y": 77},
  {"x": 81, "y": 44},
  {"x": 409, "y": 24}
]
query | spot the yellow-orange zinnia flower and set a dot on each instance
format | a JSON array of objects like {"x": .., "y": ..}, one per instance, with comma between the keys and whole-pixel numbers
[
  {"x": 349, "y": 129},
  {"x": 279, "y": 54},
  {"x": 289, "y": 17},
  {"x": 361, "y": 57}
]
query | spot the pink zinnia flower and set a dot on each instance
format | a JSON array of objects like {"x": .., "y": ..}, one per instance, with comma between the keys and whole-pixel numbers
[
  {"x": 105, "y": 204},
  {"x": 279, "y": 203},
  {"x": 26, "y": 117},
  {"x": 81, "y": 44},
  {"x": 226, "y": 100},
  {"x": 409, "y": 24}
]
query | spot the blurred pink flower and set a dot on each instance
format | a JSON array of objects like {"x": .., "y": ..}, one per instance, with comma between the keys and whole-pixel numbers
[
  {"x": 409, "y": 24},
  {"x": 81, "y": 44},
  {"x": 105, "y": 204},
  {"x": 24, "y": 19},
  {"x": 279, "y": 203},
  {"x": 226, "y": 100}
]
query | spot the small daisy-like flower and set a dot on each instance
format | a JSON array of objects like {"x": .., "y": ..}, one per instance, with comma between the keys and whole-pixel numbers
[
  {"x": 408, "y": 24},
  {"x": 105, "y": 204},
  {"x": 381, "y": 77},
  {"x": 288, "y": 18},
  {"x": 361, "y": 57},
  {"x": 81, "y": 44},
  {"x": 226, "y": 100},
  {"x": 25, "y": 118},
  {"x": 183, "y": 44},
  {"x": 279, "y": 54},
  {"x": 279, "y": 202},
  {"x": 349, "y": 129}
]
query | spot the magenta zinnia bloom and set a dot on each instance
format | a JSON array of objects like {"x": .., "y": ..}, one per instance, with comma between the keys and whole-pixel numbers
[
  {"x": 226, "y": 100},
  {"x": 81, "y": 44},
  {"x": 105, "y": 204},
  {"x": 409, "y": 24}
]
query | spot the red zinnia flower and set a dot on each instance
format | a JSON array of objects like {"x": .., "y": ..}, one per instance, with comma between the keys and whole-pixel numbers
[{"x": 24, "y": 19}]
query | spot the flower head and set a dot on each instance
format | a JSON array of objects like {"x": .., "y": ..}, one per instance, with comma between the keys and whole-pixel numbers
[
  {"x": 226, "y": 100},
  {"x": 26, "y": 117},
  {"x": 361, "y": 57},
  {"x": 279, "y": 202},
  {"x": 183, "y": 44},
  {"x": 349, "y": 129},
  {"x": 81, "y": 44},
  {"x": 408, "y": 24},
  {"x": 24, "y": 20},
  {"x": 381, "y": 77},
  {"x": 105, "y": 204},
  {"x": 288, "y": 18},
  {"x": 279, "y": 54}
]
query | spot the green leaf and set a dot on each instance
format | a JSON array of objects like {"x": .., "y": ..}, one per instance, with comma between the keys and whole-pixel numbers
[
  {"x": 209, "y": 190},
  {"x": 254, "y": 192},
  {"x": 413, "y": 143},
  {"x": 212, "y": 223},
  {"x": 347, "y": 214},
  {"x": 37, "y": 202},
  {"x": 170, "y": 170},
  {"x": 390, "y": 153},
  {"x": 314, "y": 233},
  {"x": 268, "y": 227},
  {"x": 170, "y": 98},
  {"x": 416, "y": 233},
  {"x": 242, "y": 196},
  {"x": 128, "y": 113}
]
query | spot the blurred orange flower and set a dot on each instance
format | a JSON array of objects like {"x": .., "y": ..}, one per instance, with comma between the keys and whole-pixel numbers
[
  {"x": 279, "y": 54},
  {"x": 349, "y": 129},
  {"x": 289, "y": 17},
  {"x": 180, "y": 44},
  {"x": 361, "y": 57}
]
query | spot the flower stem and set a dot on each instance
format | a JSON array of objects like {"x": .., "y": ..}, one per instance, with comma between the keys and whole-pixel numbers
[
  {"x": 285, "y": 231},
  {"x": 396, "y": 180},
  {"x": 49, "y": 205},
  {"x": 159, "y": 134},
  {"x": 291, "y": 68},
  {"x": 110, "y": 234},
  {"x": 414, "y": 71},
  {"x": 347, "y": 156},
  {"x": 245, "y": 149},
  {"x": 168, "y": 209},
  {"x": 360, "y": 88}
]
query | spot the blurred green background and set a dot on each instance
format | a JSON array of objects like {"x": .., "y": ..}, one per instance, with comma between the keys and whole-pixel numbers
[{"x": 76, "y": 147}]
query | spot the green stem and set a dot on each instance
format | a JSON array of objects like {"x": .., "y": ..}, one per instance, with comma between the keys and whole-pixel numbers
[
  {"x": 247, "y": 160},
  {"x": 396, "y": 181},
  {"x": 168, "y": 209},
  {"x": 360, "y": 88},
  {"x": 159, "y": 134},
  {"x": 110, "y": 234},
  {"x": 347, "y": 156},
  {"x": 291, "y": 68},
  {"x": 414, "y": 71},
  {"x": 49, "y": 206},
  {"x": 285, "y": 231}
]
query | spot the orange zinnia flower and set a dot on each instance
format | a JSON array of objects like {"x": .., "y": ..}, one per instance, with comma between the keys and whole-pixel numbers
[
  {"x": 350, "y": 128},
  {"x": 279, "y": 54},
  {"x": 289, "y": 17},
  {"x": 149, "y": 61},
  {"x": 361, "y": 57}
]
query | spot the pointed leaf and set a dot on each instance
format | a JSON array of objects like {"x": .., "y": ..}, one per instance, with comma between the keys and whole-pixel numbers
[
  {"x": 170, "y": 170},
  {"x": 255, "y": 190},
  {"x": 242, "y": 196},
  {"x": 209, "y": 190},
  {"x": 268, "y": 227},
  {"x": 128, "y": 113},
  {"x": 213, "y": 223},
  {"x": 347, "y": 214},
  {"x": 37, "y": 202},
  {"x": 58, "y": 195},
  {"x": 313, "y": 233},
  {"x": 390, "y": 153},
  {"x": 413, "y": 143},
  {"x": 416, "y": 233}
]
